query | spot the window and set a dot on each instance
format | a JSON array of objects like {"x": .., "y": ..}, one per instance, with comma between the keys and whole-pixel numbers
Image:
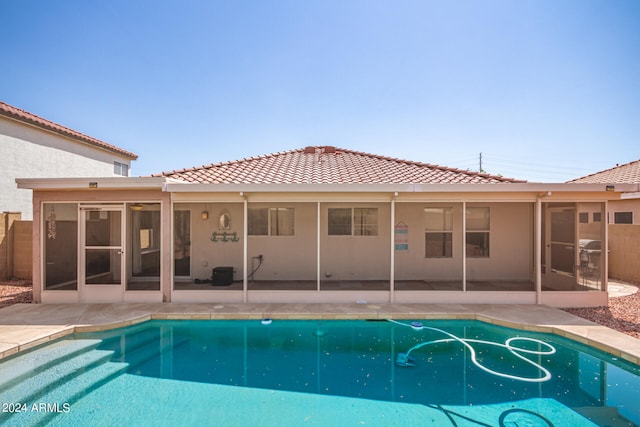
[
  {"x": 597, "y": 217},
  {"x": 478, "y": 225},
  {"x": 583, "y": 217},
  {"x": 353, "y": 221},
  {"x": 120, "y": 169},
  {"x": 365, "y": 222},
  {"x": 438, "y": 232},
  {"x": 623, "y": 217},
  {"x": 271, "y": 222}
]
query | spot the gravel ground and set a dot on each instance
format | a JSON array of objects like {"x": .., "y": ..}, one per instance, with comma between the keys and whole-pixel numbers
[
  {"x": 15, "y": 292},
  {"x": 622, "y": 314}
]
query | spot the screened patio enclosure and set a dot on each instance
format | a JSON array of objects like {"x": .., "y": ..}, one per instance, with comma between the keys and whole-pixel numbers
[{"x": 172, "y": 242}]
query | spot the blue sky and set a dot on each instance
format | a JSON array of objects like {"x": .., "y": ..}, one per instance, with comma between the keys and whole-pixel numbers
[{"x": 547, "y": 90}]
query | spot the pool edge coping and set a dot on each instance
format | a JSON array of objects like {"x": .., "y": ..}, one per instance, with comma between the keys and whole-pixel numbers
[{"x": 578, "y": 329}]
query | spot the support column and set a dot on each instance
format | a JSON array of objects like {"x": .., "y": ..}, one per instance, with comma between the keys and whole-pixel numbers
[
  {"x": 604, "y": 245},
  {"x": 318, "y": 247},
  {"x": 538, "y": 250},
  {"x": 392, "y": 263},
  {"x": 168, "y": 263},
  {"x": 245, "y": 248},
  {"x": 464, "y": 246}
]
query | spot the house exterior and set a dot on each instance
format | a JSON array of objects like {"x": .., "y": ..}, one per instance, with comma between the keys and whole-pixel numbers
[
  {"x": 319, "y": 224},
  {"x": 623, "y": 217},
  {"x": 35, "y": 147}
]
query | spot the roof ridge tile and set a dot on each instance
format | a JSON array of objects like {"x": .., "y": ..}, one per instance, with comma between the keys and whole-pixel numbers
[{"x": 332, "y": 164}]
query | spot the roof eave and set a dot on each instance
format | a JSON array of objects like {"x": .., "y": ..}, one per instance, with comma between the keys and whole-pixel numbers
[
  {"x": 81, "y": 138},
  {"x": 185, "y": 187},
  {"x": 176, "y": 186},
  {"x": 110, "y": 183}
]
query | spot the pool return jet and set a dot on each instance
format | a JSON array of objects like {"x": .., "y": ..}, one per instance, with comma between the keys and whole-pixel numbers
[{"x": 406, "y": 360}]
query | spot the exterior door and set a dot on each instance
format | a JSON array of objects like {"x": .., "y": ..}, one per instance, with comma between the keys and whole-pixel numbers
[
  {"x": 560, "y": 250},
  {"x": 102, "y": 267}
]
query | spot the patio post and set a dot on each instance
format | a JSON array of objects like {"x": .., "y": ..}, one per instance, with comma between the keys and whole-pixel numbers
[
  {"x": 604, "y": 245},
  {"x": 538, "y": 249},
  {"x": 392, "y": 247},
  {"x": 245, "y": 247},
  {"x": 464, "y": 246},
  {"x": 318, "y": 246}
]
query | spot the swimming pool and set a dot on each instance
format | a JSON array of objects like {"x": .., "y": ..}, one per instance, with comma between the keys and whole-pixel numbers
[{"x": 317, "y": 373}]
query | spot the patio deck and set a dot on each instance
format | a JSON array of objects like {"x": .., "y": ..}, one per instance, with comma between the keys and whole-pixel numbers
[{"x": 24, "y": 326}]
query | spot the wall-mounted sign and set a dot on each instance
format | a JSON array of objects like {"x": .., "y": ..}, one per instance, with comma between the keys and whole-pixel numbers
[
  {"x": 401, "y": 234},
  {"x": 225, "y": 237}
]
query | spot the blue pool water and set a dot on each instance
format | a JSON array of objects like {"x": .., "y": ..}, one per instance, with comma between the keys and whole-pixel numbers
[{"x": 318, "y": 373}]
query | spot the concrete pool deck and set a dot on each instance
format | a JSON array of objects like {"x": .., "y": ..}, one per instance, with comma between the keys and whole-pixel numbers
[{"x": 24, "y": 326}]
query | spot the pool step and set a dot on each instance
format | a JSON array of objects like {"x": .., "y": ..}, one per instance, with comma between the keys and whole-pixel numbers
[
  {"x": 31, "y": 388},
  {"x": 27, "y": 365},
  {"x": 138, "y": 358},
  {"x": 60, "y": 399},
  {"x": 132, "y": 341}
]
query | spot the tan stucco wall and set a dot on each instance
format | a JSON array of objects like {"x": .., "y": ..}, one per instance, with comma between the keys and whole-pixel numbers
[
  {"x": 411, "y": 264},
  {"x": 356, "y": 257},
  {"x": 15, "y": 246},
  {"x": 362, "y": 257},
  {"x": 206, "y": 254},
  {"x": 624, "y": 242},
  {"x": 287, "y": 257},
  {"x": 7, "y": 221},
  {"x": 511, "y": 250},
  {"x": 22, "y": 248},
  {"x": 511, "y": 245},
  {"x": 624, "y": 252},
  {"x": 632, "y": 205}
]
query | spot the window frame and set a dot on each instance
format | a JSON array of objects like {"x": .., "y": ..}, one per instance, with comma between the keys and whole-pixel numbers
[
  {"x": 120, "y": 169},
  {"x": 357, "y": 226},
  {"x": 271, "y": 223},
  {"x": 485, "y": 247},
  {"x": 583, "y": 217},
  {"x": 446, "y": 233},
  {"x": 620, "y": 217}
]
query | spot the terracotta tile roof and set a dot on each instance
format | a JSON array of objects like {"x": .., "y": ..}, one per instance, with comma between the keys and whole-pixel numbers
[
  {"x": 628, "y": 173},
  {"x": 327, "y": 165},
  {"x": 26, "y": 117}
]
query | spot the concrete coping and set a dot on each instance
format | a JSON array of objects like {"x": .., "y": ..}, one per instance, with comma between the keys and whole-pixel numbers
[{"x": 25, "y": 326}]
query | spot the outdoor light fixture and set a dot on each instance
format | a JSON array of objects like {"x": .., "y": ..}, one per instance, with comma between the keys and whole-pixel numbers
[
  {"x": 204, "y": 215},
  {"x": 611, "y": 188},
  {"x": 136, "y": 207}
]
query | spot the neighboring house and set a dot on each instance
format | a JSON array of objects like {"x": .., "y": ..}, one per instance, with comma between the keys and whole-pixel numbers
[
  {"x": 31, "y": 146},
  {"x": 623, "y": 217},
  {"x": 319, "y": 224}
]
